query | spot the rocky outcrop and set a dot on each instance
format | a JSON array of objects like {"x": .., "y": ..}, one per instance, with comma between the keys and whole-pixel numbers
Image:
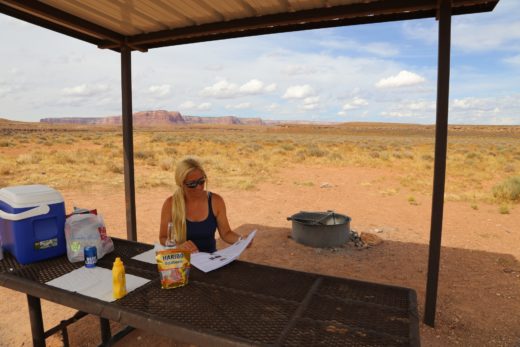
[{"x": 156, "y": 118}]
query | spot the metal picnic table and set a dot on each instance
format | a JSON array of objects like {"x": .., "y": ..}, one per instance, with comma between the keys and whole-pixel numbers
[{"x": 241, "y": 304}]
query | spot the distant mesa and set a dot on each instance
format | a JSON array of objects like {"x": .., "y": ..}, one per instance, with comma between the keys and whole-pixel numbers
[{"x": 155, "y": 118}]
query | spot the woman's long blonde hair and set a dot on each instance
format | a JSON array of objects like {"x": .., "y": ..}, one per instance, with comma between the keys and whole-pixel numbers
[{"x": 184, "y": 167}]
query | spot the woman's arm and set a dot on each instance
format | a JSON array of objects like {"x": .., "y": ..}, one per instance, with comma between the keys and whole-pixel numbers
[
  {"x": 166, "y": 217},
  {"x": 224, "y": 230}
]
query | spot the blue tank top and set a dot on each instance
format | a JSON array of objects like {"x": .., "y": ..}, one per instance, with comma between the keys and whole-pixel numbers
[{"x": 203, "y": 233}]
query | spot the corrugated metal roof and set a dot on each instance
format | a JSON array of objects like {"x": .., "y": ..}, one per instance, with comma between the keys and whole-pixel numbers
[{"x": 144, "y": 24}]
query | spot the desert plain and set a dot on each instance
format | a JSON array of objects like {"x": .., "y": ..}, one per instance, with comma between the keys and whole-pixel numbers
[{"x": 378, "y": 174}]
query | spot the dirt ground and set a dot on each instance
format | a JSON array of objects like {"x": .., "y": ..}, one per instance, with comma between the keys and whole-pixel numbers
[{"x": 479, "y": 285}]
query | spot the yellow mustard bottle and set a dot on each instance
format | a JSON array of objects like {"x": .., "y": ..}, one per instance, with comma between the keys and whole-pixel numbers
[{"x": 118, "y": 279}]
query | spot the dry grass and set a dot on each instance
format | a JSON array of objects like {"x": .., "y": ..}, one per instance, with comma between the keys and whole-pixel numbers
[{"x": 481, "y": 163}]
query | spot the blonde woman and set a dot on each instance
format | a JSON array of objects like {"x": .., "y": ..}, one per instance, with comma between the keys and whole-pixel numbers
[{"x": 195, "y": 212}]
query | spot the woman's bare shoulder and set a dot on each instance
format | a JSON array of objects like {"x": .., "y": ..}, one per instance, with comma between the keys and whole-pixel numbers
[
  {"x": 217, "y": 202},
  {"x": 168, "y": 202}
]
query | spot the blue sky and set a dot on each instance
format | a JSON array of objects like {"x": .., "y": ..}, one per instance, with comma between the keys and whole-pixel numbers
[{"x": 385, "y": 72}]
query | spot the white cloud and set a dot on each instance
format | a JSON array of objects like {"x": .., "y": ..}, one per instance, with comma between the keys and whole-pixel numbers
[
  {"x": 188, "y": 105},
  {"x": 160, "y": 90},
  {"x": 293, "y": 69},
  {"x": 421, "y": 105},
  {"x": 472, "y": 34},
  {"x": 383, "y": 49},
  {"x": 225, "y": 89},
  {"x": 298, "y": 92},
  {"x": 84, "y": 90},
  {"x": 273, "y": 106},
  {"x": 221, "y": 89},
  {"x": 402, "y": 114},
  {"x": 415, "y": 109},
  {"x": 270, "y": 88},
  {"x": 240, "y": 106},
  {"x": 356, "y": 102},
  {"x": 311, "y": 102},
  {"x": 513, "y": 60},
  {"x": 204, "y": 106},
  {"x": 472, "y": 103},
  {"x": 252, "y": 87},
  {"x": 402, "y": 79},
  {"x": 216, "y": 67},
  {"x": 4, "y": 90}
]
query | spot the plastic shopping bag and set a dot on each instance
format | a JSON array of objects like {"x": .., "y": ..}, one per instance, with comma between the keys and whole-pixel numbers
[{"x": 84, "y": 230}]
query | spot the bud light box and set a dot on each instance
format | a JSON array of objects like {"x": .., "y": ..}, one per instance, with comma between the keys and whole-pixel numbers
[{"x": 32, "y": 222}]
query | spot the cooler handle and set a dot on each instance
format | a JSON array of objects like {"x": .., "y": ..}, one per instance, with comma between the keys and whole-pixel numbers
[{"x": 37, "y": 211}]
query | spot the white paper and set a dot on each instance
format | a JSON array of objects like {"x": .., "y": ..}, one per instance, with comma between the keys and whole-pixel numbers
[
  {"x": 149, "y": 256},
  {"x": 94, "y": 282},
  {"x": 211, "y": 261},
  {"x": 205, "y": 261}
]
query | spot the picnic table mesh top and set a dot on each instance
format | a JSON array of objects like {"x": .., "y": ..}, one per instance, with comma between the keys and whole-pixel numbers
[{"x": 257, "y": 304}]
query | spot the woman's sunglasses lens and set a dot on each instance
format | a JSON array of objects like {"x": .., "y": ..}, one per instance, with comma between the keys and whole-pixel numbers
[{"x": 196, "y": 183}]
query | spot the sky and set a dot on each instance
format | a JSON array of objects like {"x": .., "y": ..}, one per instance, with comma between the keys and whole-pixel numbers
[{"x": 370, "y": 73}]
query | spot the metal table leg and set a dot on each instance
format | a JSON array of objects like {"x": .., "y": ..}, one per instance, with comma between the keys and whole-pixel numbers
[
  {"x": 106, "y": 334},
  {"x": 35, "y": 315}
]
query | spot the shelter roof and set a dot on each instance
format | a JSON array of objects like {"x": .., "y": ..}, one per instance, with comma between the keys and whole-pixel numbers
[{"x": 142, "y": 25}]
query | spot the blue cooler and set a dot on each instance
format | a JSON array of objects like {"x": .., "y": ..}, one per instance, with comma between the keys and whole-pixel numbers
[{"x": 32, "y": 222}]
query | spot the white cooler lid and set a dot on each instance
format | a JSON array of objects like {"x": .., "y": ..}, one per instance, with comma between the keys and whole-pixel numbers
[{"x": 30, "y": 196}]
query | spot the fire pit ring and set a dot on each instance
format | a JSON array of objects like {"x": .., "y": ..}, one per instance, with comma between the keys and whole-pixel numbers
[{"x": 320, "y": 229}]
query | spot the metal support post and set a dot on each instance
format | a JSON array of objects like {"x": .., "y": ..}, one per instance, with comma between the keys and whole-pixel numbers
[
  {"x": 439, "y": 175},
  {"x": 128, "y": 142}
]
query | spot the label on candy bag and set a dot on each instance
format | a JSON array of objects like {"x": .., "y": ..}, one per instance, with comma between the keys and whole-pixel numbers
[{"x": 174, "y": 267}]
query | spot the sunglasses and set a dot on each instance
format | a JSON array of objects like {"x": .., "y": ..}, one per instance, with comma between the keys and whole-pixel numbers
[{"x": 194, "y": 184}]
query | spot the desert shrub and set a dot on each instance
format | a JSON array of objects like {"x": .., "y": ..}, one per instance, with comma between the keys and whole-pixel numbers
[
  {"x": 397, "y": 155},
  {"x": 300, "y": 156},
  {"x": 408, "y": 155},
  {"x": 335, "y": 156},
  {"x": 508, "y": 190},
  {"x": 473, "y": 155},
  {"x": 91, "y": 158},
  {"x": 167, "y": 164},
  {"x": 5, "y": 170},
  {"x": 503, "y": 209},
  {"x": 144, "y": 154},
  {"x": 412, "y": 200},
  {"x": 4, "y": 144},
  {"x": 287, "y": 147},
  {"x": 315, "y": 151},
  {"x": 255, "y": 147},
  {"x": 151, "y": 162},
  {"x": 374, "y": 154},
  {"x": 29, "y": 158},
  {"x": 109, "y": 145},
  {"x": 170, "y": 151},
  {"x": 427, "y": 157},
  {"x": 509, "y": 168},
  {"x": 66, "y": 157},
  {"x": 115, "y": 168}
]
